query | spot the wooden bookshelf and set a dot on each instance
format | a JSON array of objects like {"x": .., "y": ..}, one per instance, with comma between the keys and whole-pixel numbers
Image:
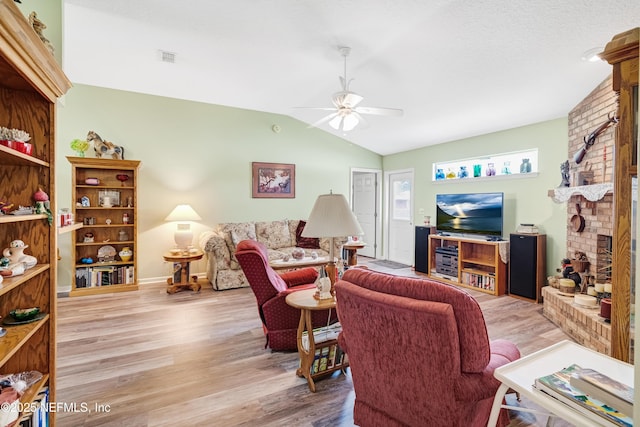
[
  {"x": 106, "y": 223},
  {"x": 30, "y": 83}
]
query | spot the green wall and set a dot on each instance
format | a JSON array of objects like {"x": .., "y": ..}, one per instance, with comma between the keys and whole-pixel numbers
[
  {"x": 526, "y": 199},
  {"x": 199, "y": 154}
]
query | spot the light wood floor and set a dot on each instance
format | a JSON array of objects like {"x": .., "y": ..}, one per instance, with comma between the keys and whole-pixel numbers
[{"x": 147, "y": 358}]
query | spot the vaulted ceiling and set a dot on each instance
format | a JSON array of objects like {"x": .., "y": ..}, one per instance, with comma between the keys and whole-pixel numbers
[{"x": 456, "y": 68}]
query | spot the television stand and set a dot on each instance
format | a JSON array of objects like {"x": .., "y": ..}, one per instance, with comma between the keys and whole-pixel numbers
[{"x": 470, "y": 263}]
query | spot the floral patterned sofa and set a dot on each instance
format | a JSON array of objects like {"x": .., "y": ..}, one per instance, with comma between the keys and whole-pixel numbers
[{"x": 280, "y": 237}]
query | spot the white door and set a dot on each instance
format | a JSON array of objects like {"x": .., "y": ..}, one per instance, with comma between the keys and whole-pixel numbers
[
  {"x": 365, "y": 208},
  {"x": 400, "y": 217}
]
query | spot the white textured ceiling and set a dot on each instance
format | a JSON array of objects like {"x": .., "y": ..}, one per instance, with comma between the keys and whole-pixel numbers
[{"x": 457, "y": 68}]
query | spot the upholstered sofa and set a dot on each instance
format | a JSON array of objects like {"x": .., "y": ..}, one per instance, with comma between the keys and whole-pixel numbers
[{"x": 280, "y": 237}]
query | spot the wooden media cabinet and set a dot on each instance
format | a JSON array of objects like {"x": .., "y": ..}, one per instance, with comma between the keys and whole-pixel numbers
[{"x": 476, "y": 264}]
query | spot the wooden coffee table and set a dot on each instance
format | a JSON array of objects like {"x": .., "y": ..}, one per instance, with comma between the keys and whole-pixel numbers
[{"x": 292, "y": 264}]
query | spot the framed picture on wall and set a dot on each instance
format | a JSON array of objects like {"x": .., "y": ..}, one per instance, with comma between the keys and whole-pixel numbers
[{"x": 273, "y": 180}]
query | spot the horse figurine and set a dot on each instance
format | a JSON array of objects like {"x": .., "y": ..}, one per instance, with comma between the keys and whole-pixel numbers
[{"x": 105, "y": 149}]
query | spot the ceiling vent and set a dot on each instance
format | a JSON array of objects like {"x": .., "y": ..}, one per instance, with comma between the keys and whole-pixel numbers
[{"x": 167, "y": 56}]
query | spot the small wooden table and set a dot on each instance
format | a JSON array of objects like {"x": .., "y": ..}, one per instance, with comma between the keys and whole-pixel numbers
[
  {"x": 351, "y": 252},
  {"x": 305, "y": 301},
  {"x": 180, "y": 279}
]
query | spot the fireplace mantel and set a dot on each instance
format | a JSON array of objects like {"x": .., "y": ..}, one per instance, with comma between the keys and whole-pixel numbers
[{"x": 593, "y": 192}]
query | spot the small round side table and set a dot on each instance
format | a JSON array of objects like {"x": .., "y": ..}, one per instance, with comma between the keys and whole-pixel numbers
[
  {"x": 180, "y": 279},
  {"x": 351, "y": 250}
]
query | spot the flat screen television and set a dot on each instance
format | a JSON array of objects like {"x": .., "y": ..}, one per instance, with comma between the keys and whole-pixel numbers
[{"x": 478, "y": 214}]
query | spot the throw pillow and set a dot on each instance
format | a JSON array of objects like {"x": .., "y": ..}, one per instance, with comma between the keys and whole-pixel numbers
[
  {"x": 273, "y": 234},
  {"x": 237, "y": 237},
  {"x": 306, "y": 242}
]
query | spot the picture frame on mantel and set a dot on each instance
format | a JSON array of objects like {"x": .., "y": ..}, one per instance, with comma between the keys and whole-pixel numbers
[{"x": 273, "y": 180}]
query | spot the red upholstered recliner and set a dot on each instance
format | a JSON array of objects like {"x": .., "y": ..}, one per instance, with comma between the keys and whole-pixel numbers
[
  {"x": 419, "y": 352},
  {"x": 279, "y": 320}
]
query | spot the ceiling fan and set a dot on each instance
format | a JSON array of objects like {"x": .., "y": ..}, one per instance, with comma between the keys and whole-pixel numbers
[{"x": 346, "y": 112}]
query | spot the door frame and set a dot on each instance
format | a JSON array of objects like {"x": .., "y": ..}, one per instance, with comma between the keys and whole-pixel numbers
[
  {"x": 387, "y": 177},
  {"x": 378, "y": 223}
]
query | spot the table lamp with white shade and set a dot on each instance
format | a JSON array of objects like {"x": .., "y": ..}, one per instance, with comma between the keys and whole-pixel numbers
[
  {"x": 182, "y": 214},
  {"x": 331, "y": 217}
]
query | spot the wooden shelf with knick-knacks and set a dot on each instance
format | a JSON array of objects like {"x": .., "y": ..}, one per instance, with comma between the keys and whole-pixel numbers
[
  {"x": 31, "y": 81},
  {"x": 105, "y": 203}
]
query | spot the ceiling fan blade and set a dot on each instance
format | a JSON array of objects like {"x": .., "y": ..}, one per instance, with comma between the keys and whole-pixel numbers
[
  {"x": 323, "y": 120},
  {"x": 380, "y": 111},
  {"x": 350, "y": 122},
  {"x": 362, "y": 123},
  {"x": 336, "y": 121}
]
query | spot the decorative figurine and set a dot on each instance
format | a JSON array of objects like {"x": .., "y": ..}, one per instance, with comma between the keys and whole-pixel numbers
[
  {"x": 105, "y": 149},
  {"x": 42, "y": 204},
  {"x": 15, "y": 261},
  {"x": 564, "y": 171},
  {"x": 491, "y": 169},
  {"x": 463, "y": 173},
  {"x": 439, "y": 174},
  {"x": 477, "y": 171},
  {"x": 38, "y": 26}
]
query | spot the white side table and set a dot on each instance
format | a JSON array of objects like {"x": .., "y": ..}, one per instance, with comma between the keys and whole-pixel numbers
[{"x": 521, "y": 374}]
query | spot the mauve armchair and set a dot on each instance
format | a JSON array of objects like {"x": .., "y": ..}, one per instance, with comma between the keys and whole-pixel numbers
[
  {"x": 419, "y": 352},
  {"x": 279, "y": 320}
]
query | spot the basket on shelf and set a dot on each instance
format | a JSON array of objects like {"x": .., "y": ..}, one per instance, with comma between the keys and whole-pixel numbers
[{"x": 579, "y": 266}]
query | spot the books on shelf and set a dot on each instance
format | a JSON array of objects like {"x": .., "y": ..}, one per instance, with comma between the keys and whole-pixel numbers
[
  {"x": 325, "y": 333},
  {"x": 328, "y": 357},
  {"x": 558, "y": 385},
  {"x": 89, "y": 277},
  {"x": 605, "y": 389},
  {"x": 479, "y": 279}
]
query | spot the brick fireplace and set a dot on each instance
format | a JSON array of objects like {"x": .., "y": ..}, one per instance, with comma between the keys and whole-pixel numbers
[{"x": 594, "y": 240}]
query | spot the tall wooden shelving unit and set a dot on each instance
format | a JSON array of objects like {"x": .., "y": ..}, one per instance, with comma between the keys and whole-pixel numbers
[
  {"x": 107, "y": 225},
  {"x": 30, "y": 83}
]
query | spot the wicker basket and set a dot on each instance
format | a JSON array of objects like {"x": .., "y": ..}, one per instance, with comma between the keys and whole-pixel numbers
[{"x": 579, "y": 266}]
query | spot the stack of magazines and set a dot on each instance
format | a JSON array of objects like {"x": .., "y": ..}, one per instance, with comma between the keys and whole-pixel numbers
[{"x": 592, "y": 391}]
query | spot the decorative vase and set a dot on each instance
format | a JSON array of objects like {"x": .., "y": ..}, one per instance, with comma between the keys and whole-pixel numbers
[
  {"x": 491, "y": 170},
  {"x": 525, "y": 166},
  {"x": 125, "y": 254},
  {"x": 297, "y": 253}
]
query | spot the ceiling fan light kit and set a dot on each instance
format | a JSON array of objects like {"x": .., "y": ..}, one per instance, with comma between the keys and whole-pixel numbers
[{"x": 346, "y": 113}]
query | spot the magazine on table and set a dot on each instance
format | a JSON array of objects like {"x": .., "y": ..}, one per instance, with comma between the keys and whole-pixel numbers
[
  {"x": 604, "y": 388},
  {"x": 558, "y": 385}
]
